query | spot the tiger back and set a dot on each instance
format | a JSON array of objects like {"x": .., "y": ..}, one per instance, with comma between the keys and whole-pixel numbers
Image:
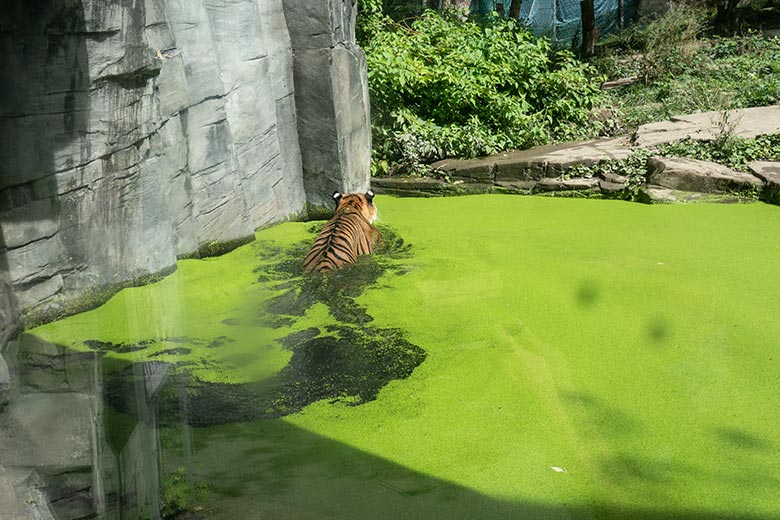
[{"x": 347, "y": 235}]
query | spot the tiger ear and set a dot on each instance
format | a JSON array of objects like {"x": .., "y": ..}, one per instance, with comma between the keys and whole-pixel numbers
[
  {"x": 336, "y": 196},
  {"x": 369, "y": 195}
]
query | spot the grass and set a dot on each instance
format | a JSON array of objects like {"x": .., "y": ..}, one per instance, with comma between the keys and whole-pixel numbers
[
  {"x": 683, "y": 71},
  {"x": 633, "y": 346}
]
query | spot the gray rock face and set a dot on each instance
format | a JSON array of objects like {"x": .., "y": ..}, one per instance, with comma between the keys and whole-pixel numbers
[
  {"x": 331, "y": 94},
  {"x": 691, "y": 175},
  {"x": 48, "y": 430},
  {"x": 136, "y": 132}
]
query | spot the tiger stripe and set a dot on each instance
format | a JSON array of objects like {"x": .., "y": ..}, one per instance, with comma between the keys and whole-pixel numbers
[{"x": 345, "y": 237}]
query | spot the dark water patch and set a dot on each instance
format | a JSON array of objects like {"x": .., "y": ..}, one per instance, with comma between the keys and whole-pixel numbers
[
  {"x": 587, "y": 294},
  {"x": 179, "y": 339},
  {"x": 611, "y": 420},
  {"x": 658, "y": 330},
  {"x": 220, "y": 341},
  {"x": 347, "y": 364},
  {"x": 337, "y": 290},
  {"x": 743, "y": 439},
  {"x": 180, "y": 351},
  {"x": 273, "y": 321},
  {"x": 119, "y": 348},
  {"x": 290, "y": 341}
]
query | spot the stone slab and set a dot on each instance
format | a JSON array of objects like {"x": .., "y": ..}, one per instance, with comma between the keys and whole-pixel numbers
[
  {"x": 706, "y": 126},
  {"x": 659, "y": 195},
  {"x": 578, "y": 184},
  {"x": 535, "y": 163},
  {"x": 769, "y": 172},
  {"x": 478, "y": 169},
  {"x": 692, "y": 175}
]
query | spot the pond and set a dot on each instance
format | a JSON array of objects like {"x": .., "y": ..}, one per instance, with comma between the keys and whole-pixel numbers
[{"x": 500, "y": 357}]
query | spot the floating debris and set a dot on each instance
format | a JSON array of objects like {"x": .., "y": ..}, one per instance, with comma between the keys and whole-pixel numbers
[{"x": 558, "y": 469}]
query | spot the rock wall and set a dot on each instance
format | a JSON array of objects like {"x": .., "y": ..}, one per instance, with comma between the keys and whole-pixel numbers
[
  {"x": 331, "y": 92},
  {"x": 136, "y": 132}
]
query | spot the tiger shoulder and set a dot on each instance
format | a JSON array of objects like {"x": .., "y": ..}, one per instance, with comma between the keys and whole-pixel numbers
[{"x": 347, "y": 236}]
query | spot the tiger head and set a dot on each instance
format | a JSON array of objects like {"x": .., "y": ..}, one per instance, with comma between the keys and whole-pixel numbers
[{"x": 362, "y": 203}]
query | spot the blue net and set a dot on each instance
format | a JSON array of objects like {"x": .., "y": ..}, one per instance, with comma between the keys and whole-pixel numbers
[{"x": 560, "y": 20}]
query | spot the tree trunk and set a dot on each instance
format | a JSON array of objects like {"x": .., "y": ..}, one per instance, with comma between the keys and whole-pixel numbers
[
  {"x": 588, "y": 28},
  {"x": 514, "y": 10},
  {"x": 724, "y": 18}
]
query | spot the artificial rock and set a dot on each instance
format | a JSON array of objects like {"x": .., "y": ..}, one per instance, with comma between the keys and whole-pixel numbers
[{"x": 136, "y": 132}]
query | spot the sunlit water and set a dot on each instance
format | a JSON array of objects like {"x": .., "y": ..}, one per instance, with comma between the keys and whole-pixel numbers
[{"x": 500, "y": 357}]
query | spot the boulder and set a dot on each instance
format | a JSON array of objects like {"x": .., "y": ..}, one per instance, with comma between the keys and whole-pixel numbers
[
  {"x": 692, "y": 175},
  {"x": 535, "y": 163},
  {"x": 479, "y": 170},
  {"x": 769, "y": 172},
  {"x": 584, "y": 184},
  {"x": 658, "y": 195}
]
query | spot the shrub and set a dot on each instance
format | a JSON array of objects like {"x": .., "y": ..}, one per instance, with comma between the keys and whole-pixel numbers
[
  {"x": 731, "y": 150},
  {"x": 684, "y": 72},
  {"x": 442, "y": 87}
]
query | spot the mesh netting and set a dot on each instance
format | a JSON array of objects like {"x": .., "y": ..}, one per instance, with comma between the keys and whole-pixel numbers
[{"x": 560, "y": 20}]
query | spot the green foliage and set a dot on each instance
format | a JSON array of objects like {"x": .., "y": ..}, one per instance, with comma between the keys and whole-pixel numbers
[
  {"x": 734, "y": 152},
  {"x": 441, "y": 87},
  {"x": 683, "y": 71},
  {"x": 178, "y": 494},
  {"x": 697, "y": 76},
  {"x": 633, "y": 168},
  {"x": 671, "y": 41}
]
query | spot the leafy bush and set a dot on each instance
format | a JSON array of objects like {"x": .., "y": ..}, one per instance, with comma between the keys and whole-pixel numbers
[
  {"x": 442, "y": 87},
  {"x": 734, "y": 151},
  {"x": 178, "y": 495},
  {"x": 633, "y": 168},
  {"x": 683, "y": 70}
]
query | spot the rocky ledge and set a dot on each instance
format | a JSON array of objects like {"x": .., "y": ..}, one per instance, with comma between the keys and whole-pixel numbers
[{"x": 547, "y": 170}]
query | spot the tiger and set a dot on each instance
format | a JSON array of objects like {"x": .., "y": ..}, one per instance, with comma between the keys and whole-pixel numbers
[{"x": 349, "y": 234}]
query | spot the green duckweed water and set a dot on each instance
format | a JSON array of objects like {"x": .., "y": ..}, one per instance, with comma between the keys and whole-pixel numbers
[{"x": 527, "y": 357}]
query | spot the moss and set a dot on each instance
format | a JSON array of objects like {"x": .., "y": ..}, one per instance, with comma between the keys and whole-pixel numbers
[
  {"x": 216, "y": 248},
  {"x": 89, "y": 299}
]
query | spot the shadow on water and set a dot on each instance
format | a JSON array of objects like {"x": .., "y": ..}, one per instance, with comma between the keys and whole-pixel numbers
[
  {"x": 588, "y": 293},
  {"x": 349, "y": 361},
  {"x": 121, "y": 437}
]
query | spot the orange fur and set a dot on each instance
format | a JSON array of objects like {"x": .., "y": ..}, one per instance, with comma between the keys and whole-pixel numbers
[{"x": 346, "y": 236}]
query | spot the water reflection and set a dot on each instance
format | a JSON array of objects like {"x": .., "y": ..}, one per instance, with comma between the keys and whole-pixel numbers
[
  {"x": 67, "y": 451},
  {"x": 86, "y": 435}
]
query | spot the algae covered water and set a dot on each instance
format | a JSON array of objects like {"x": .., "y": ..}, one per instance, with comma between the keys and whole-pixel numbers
[{"x": 501, "y": 357}]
